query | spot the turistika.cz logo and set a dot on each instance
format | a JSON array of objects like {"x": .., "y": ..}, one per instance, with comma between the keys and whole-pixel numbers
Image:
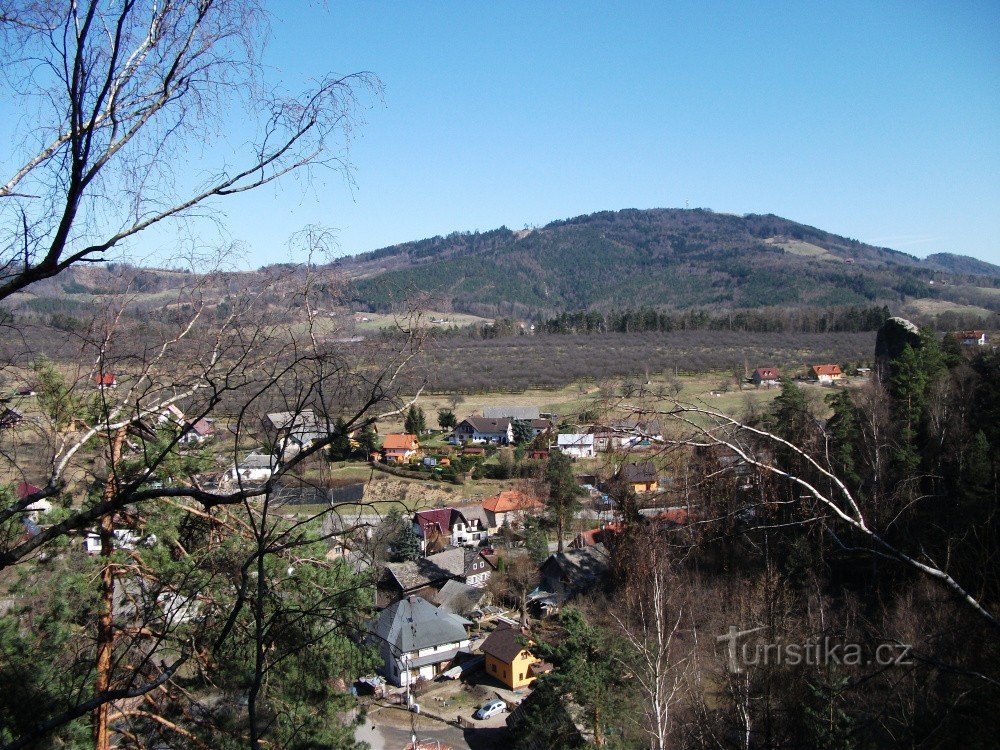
[{"x": 742, "y": 653}]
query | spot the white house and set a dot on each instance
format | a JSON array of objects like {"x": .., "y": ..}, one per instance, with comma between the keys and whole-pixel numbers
[
  {"x": 256, "y": 467},
  {"x": 576, "y": 445},
  {"x": 972, "y": 338},
  {"x": 417, "y": 640},
  {"x": 477, "y": 429}
]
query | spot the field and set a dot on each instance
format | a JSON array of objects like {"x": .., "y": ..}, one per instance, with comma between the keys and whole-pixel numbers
[
  {"x": 797, "y": 247},
  {"x": 457, "y": 364}
]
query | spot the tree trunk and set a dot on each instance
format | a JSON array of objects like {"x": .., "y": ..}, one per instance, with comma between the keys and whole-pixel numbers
[{"x": 105, "y": 621}]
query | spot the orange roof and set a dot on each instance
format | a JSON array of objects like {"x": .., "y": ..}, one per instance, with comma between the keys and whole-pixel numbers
[
  {"x": 511, "y": 500},
  {"x": 105, "y": 379},
  {"x": 400, "y": 441},
  {"x": 826, "y": 369}
]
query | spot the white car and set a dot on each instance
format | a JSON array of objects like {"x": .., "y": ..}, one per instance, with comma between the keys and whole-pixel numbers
[{"x": 490, "y": 709}]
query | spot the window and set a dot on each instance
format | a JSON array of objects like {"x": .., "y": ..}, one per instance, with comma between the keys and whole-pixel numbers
[{"x": 520, "y": 676}]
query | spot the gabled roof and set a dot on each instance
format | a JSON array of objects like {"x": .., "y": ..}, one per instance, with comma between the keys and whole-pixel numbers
[
  {"x": 578, "y": 439},
  {"x": 106, "y": 378},
  {"x": 644, "y": 471},
  {"x": 511, "y": 500},
  {"x": 503, "y": 644},
  {"x": 442, "y": 518},
  {"x": 510, "y": 412},
  {"x": 203, "y": 428},
  {"x": 970, "y": 334},
  {"x": 413, "y": 623},
  {"x": 433, "y": 569},
  {"x": 826, "y": 369},
  {"x": 578, "y": 568},
  {"x": 767, "y": 373},
  {"x": 487, "y": 425},
  {"x": 259, "y": 461},
  {"x": 474, "y": 513},
  {"x": 24, "y": 489},
  {"x": 400, "y": 441},
  {"x": 458, "y": 597}
]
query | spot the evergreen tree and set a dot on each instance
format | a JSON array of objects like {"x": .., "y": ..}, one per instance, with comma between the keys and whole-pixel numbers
[
  {"x": 844, "y": 433},
  {"x": 367, "y": 440},
  {"x": 446, "y": 419},
  {"x": 588, "y": 662},
  {"x": 522, "y": 431},
  {"x": 340, "y": 448},
  {"x": 564, "y": 493},
  {"x": 536, "y": 541},
  {"x": 415, "y": 422}
]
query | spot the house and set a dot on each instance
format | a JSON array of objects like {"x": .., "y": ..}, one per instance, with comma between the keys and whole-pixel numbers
[
  {"x": 576, "y": 445},
  {"x": 399, "y": 447},
  {"x": 766, "y": 376},
  {"x": 508, "y": 659},
  {"x": 476, "y": 530},
  {"x": 199, "y": 431},
  {"x": 450, "y": 526},
  {"x": 641, "y": 477},
  {"x": 417, "y": 640},
  {"x": 427, "y": 575},
  {"x": 826, "y": 374},
  {"x": 510, "y": 507},
  {"x": 972, "y": 338},
  {"x": 292, "y": 431},
  {"x": 38, "y": 507},
  {"x": 476, "y": 429},
  {"x": 10, "y": 418},
  {"x": 526, "y": 413},
  {"x": 25, "y": 390},
  {"x": 256, "y": 467},
  {"x": 567, "y": 574},
  {"x": 105, "y": 380}
]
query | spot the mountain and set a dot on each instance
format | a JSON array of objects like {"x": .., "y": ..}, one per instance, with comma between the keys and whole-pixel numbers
[
  {"x": 669, "y": 258},
  {"x": 962, "y": 264}
]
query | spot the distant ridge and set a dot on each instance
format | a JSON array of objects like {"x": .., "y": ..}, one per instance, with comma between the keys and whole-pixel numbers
[
  {"x": 669, "y": 258},
  {"x": 962, "y": 264}
]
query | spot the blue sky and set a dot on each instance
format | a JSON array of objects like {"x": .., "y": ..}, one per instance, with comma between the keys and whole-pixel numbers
[{"x": 879, "y": 121}]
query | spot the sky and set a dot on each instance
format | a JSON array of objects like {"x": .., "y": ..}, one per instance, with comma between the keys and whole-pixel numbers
[{"x": 878, "y": 121}]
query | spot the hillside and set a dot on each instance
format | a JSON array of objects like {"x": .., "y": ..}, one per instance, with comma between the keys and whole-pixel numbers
[
  {"x": 666, "y": 258},
  {"x": 661, "y": 257}
]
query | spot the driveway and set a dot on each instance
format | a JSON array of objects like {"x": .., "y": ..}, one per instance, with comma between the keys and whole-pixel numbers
[{"x": 389, "y": 729}]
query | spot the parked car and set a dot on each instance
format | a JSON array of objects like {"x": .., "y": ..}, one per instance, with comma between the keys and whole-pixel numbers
[{"x": 490, "y": 709}]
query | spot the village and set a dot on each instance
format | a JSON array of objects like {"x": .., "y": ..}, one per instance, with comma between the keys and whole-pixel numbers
[{"x": 469, "y": 553}]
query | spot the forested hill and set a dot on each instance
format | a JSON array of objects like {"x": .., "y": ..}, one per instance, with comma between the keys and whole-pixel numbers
[{"x": 668, "y": 258}]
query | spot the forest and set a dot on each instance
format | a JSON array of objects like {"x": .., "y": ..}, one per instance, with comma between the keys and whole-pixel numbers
[{"x": 836, "y": 586}]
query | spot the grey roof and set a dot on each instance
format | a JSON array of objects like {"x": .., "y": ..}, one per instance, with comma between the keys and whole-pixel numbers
[
  {"x": 425, "y": 571},
  {"x": 487, "y": 425},
  {"x": 458, "y": 597},
  {"x": 414, "y": 623},
  {"x": 303, "y": 427},
  {"x": 577, "y": 568},
  {"x": 510, "y": 412},
  {"x": 259, "y": 461},
  {"x": 644, "y": 471},
  {"x": 474, "y": 513}
]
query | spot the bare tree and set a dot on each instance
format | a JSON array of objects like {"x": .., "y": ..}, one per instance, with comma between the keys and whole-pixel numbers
[{"x": 115, "y": 91}]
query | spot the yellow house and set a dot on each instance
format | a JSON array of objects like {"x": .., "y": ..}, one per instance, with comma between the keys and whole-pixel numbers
[{"x": 507, "y": 659}]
